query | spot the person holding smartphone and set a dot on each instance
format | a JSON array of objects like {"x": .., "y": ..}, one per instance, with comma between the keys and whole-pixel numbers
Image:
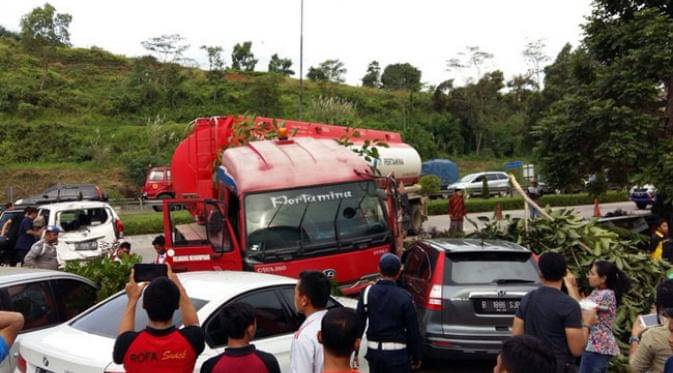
[
  {"x": 650, "y": 347},
  {"x": 609, "y": 285}
]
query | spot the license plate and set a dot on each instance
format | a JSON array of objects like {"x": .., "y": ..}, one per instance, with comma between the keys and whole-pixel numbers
[
  {"x": 42, "y": 370},
  {"x": 496, "y": 306},
  {"x": 87, "y": 245}
]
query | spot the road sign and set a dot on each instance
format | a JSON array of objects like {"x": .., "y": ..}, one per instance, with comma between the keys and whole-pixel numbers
[{"x": 513, "y": 164}]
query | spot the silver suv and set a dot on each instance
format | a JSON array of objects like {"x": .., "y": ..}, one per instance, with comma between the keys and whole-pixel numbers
[
  {"x": 466, "y": 292},
  {"x": 472, "y": 184}
]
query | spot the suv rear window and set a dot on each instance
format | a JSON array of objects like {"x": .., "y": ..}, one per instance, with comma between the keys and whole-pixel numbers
[
  {"x": 489, "y": 267},
  {"x": 104, "y": 320},
  {"x": 74, "y": 220}
]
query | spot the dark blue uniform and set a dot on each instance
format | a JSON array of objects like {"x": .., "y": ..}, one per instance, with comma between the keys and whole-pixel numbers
[{"x": 393, "y": 327}]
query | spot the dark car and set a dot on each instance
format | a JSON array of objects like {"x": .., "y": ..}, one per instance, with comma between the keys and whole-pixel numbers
[
  {"x": 44, "y": 298},
  {"x": 12, "y": 218},
  {"x": 65, "y": 192},
  {"x": 466, "y": 293}
]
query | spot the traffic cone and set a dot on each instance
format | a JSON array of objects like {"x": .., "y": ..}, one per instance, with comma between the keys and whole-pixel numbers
[
  {"x": 498, "y": 212},
  {"x": 597, "y": 209}
]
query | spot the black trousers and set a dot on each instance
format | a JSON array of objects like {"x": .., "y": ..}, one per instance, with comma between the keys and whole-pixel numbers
[{"x": 388, "y": 361}]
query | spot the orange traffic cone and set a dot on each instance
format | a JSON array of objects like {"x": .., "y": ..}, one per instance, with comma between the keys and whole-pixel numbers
[
  {"x": 498, "y": 212},
  {"x": 597, "y": 209}
]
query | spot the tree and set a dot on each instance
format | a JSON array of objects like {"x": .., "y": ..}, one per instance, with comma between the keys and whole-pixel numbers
[
  {"x": 169, "y": 48},
  {"x": 328, "y": 71},
  {"x": 42, "y": 31},
  {"x": 215, "y": 61},
  {"x": 5, "y": 33},
  {"x": 280, "y": 65},
  {"x": 401, "y": 76},
  {"x": 264, "y": 96},
  {"x": 373, "y": 76},
  {"x": 535, "y": 56},
  {"x": 474, "y": 58},
  {"x": 242, "y": 57}
]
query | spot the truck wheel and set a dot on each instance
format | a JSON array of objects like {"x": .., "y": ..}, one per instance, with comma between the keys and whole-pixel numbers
[
  {"x": 641, "y": 205},
  {"x": 416, "y": 220},
  {"x": 161, "y": 197}
]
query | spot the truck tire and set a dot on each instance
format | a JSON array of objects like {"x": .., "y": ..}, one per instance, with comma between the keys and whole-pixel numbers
[
  {"x": 416, "y": 223},
  {"x": 641, "y": 205},
  {"x": 161, "y": 197}
]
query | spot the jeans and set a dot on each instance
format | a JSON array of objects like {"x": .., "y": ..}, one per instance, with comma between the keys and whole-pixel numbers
[
  {"x": 593, "y": 362},
  {"x": 388, "y": 361}
]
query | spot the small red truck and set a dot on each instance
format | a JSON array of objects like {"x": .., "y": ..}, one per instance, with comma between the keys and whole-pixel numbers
[
  {"x": 158, "y": 184},
  {"x": 285, "y": 203}
]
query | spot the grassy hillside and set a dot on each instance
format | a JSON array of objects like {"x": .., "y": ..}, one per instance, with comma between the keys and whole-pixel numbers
[{"x": 103, "y": 118}]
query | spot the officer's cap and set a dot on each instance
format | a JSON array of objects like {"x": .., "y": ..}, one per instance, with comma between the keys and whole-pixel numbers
[{"x": 389, "y": 264}]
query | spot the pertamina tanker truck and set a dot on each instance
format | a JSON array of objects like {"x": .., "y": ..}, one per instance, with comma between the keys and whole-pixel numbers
[{"x": 282, "y": 205}]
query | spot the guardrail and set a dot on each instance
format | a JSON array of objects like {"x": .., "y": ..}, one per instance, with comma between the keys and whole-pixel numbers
[{"x": 136, "y": 205}]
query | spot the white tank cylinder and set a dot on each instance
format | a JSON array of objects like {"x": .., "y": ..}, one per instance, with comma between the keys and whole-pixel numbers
[{"x": 400, "y": 160}]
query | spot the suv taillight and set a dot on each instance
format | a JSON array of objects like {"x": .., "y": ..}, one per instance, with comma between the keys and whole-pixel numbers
[
  {"x": 21, "y": 364},
  {"x": 119, "y": 228},
  {"x": 433, "y": 300}
]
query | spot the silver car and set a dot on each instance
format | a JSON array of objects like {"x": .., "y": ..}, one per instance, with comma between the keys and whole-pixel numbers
[
  {"x": 466, "y": 293},
  {"x": 472, "y": 184},
  {"x": 45, "y": 298}
]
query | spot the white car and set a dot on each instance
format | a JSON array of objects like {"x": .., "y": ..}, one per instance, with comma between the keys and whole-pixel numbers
[
  {"x": 472, "y": 184},
  {"x": 44, "y": 298},
  {"x": 88, "y": 228},
  {"x": 85, "y": 343}
]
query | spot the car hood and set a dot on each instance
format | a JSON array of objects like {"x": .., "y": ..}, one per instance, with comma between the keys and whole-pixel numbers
[
  {"x": 67, "y": 349},
  {"x": 458, "y": 185}
]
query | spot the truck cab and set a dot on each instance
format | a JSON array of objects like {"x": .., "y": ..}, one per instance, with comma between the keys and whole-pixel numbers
[
  {"x": 158, "y": 184},
  {"x": 285, "y": 206}
]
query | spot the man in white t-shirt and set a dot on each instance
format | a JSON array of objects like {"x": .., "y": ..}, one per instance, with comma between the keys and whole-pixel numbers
[
  {"x": 159, "y": 244},
  {"x": 310, "y": 299}
]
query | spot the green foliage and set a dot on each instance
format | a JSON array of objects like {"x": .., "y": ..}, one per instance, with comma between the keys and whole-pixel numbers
[
  {"x": 430, "y": 185},
  {"x": 110, "y": 276},
  {"x": 328, "y": 71},
  {"x": 373, "y": 76},
  {"x": 170, "y": 48},
  {"x": 583, "y": 242},
  {"x": 151, "y": 222},
  {"x": 43, "y": 27},
  {"x": 263, "y": 98},
  {"x": 401, "y": 76},
  {"x": 280, "y": 65},
  {"x": 441, "y": 207},
  {"x": 242, "y": 57},
  {"x": 331, "y": 110}
]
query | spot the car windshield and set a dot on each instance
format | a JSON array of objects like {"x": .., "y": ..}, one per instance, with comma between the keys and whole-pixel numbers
[
  {"x": 105, "y": 318},
  {"x": 74, "y": 220},
  {"x": 156, "y": 175},
  {"x": 303, "y": 220},
  {"x": 467, "y": 178},
  {"x": 491, "y": 267}
]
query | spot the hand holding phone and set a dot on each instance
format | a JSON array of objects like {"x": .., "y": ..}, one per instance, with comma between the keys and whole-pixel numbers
[
  {"x": 650, "y": 320},
  {"x": 144, "y": 272}
]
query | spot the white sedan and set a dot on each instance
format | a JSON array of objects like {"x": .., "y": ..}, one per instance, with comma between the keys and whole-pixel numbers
[{"x": 85, "y": 343}]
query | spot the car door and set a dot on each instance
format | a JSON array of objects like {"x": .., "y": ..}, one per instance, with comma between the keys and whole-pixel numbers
[
  {"x": 36, "y": 302},
  {"x": 476, "y": 185},
  {"x": 275, "y": 326},
  {"x": 73, "y": 297},
  {"x": 86, "y": 228},
  {"x": 415, "y": 276}
]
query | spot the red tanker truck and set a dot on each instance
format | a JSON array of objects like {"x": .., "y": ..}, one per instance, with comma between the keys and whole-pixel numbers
[{"x": 288, "y": 202}]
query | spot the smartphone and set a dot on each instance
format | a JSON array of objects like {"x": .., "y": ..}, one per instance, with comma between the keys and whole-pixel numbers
[
  {"x": 147, "y": 272},
  {"x": 649, "y": 320}
]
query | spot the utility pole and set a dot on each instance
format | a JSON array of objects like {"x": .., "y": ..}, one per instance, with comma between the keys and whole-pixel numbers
[{"x": 301, "y": 63}]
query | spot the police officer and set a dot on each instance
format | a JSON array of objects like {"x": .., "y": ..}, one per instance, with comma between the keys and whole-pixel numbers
[{"x": 393, "y": 340}]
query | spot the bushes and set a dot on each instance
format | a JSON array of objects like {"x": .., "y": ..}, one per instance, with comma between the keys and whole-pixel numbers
[
  {"x": 151, "y": 222},
  {"x": 110, "y": 276},
  {"x": 441, "y": 207},
  {"x": 430, "y": 185}
]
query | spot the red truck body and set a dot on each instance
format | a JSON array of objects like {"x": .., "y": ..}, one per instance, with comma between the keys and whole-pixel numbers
[
  {"x": 158, "y": 184},
  {"x": 280, "y": 205}
]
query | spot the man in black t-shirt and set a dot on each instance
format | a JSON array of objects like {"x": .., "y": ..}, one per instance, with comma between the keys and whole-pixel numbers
[
  {"x": 554, "y": 317},
  {"x": 160, "y": 348},
  {"x": 238, "y": 322}
]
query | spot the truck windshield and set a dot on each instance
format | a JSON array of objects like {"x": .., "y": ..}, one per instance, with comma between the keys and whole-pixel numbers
[{"x": 303, "y": 221}]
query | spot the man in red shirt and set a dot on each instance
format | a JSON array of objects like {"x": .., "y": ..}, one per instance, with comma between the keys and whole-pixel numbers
[
  {"x": 160, "y": 347},
  {"x": 340, "y": 336},
  {"x": 238, "y": 323},
  {"x": 457, "y": 212}
]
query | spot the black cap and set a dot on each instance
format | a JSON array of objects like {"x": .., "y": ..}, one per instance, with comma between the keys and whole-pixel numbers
[
  {"x": 159, "y": 240},
  {"x": 390, "y": 264}
]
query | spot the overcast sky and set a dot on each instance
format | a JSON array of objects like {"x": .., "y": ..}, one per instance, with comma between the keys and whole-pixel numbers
[{"x": 425, "y": 33}]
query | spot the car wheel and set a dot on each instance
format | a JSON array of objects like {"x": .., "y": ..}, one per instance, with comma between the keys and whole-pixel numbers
[
  {"x": 641, "y": 205},
  {"x": 161, "y": 197}
]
